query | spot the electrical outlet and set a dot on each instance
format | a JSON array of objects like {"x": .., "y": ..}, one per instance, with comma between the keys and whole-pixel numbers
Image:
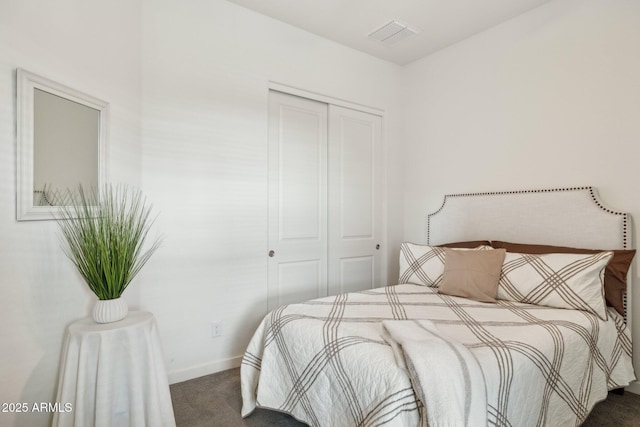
[{"x": 216, "y": 329}]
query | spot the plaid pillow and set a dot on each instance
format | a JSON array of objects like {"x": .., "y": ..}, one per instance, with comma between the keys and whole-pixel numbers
[
  {"x": 424, "y": 265},
  {"x": 560, "y": 280}
]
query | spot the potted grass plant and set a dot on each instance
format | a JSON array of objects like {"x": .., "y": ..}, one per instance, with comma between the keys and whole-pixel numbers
[{"x": 105, "y": 234}]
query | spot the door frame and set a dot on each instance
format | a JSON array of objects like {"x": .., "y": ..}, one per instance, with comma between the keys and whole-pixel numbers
[{"x": 290, "y": 90}]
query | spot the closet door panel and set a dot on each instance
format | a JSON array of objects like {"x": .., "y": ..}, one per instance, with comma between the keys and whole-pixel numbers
[
  {"x": 355, "y": 150},
  {"x": 355, "y": 202},
  {"x": 300, "y": 281},
  {"x": 301, "y": 160},
  {"x": 357, "y": 273},
  {"x": 297, "y": 235}
]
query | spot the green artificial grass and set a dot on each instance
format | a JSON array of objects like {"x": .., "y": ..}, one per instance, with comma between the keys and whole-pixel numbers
[{"x": 105, "y": 233}]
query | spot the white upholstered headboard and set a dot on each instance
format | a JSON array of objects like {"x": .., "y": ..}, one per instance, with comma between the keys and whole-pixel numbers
[{"x": 564, "y": 217}]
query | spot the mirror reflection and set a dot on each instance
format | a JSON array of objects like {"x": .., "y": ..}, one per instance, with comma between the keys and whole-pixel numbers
[{"x": 65, "y": 140}]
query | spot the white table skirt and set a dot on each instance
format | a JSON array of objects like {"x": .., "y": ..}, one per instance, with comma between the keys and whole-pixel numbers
[{"x": 114, "y": 375}]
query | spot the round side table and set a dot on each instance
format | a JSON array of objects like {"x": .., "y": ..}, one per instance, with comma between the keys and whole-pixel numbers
[{"x": 113, "y": 374}]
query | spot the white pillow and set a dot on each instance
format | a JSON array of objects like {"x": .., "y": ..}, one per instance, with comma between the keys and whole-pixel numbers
[
  {"x": 573, "y": 281},
  {"x": 424, "y": 265}
]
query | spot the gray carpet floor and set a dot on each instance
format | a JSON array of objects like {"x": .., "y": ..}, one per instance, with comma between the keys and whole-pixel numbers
[{"x": 214, "y": 401}]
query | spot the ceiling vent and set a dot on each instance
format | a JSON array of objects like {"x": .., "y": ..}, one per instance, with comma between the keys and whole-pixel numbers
[{"x": 392, "y": 32}]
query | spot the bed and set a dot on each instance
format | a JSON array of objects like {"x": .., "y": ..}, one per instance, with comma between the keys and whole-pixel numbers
[{"x": 419, "y": 353}]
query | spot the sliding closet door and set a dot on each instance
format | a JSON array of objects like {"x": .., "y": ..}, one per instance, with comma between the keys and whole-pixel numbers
[
  {"x": 297, "y": 265},
  {"x": 355, "y": 202}
]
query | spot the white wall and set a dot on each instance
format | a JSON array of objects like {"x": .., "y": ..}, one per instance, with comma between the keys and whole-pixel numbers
[
  {"x": 206, "y": 66},
  {"x": 72, "y": 42},
  {"x": 187, "y": 82},
  {"x": 546, "y": 100}
]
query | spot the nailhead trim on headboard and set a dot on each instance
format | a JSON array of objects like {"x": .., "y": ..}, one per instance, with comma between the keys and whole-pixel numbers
[{"x": 591, "y": 190}]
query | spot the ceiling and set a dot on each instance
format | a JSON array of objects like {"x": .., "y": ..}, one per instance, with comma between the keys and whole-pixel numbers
[{"x": 440, "y": 22}]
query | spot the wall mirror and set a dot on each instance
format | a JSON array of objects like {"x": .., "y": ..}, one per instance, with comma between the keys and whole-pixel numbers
[{"x": 62, "y": 143}]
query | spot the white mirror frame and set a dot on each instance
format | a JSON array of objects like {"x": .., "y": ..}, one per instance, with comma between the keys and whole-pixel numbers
[{"x": 26, "y": 83}]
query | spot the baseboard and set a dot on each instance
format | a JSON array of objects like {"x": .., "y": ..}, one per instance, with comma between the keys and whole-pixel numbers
[
  {"x": 634, "y": 387},
  {"x": 204, "y": 369}
]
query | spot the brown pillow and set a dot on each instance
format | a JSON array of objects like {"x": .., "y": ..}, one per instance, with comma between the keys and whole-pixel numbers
[
  {"x": 615, "y": 275},
  {"x": 472, "y": 274},
  {"x": 469, "y": 245}
]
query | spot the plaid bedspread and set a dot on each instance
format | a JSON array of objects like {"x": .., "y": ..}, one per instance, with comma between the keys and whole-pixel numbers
[{"x": 326, "y": 363}]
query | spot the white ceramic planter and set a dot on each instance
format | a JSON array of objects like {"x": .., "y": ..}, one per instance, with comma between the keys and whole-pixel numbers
[{"x": 110, "y": 310}]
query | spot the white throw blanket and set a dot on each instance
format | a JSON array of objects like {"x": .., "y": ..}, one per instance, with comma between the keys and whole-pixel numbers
[{"x": 446, "y": 376}]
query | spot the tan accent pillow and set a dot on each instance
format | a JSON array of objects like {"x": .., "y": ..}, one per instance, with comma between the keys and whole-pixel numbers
[
  {"x": 424, "y": 265},
  {"x": 472, "y": 274}
]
